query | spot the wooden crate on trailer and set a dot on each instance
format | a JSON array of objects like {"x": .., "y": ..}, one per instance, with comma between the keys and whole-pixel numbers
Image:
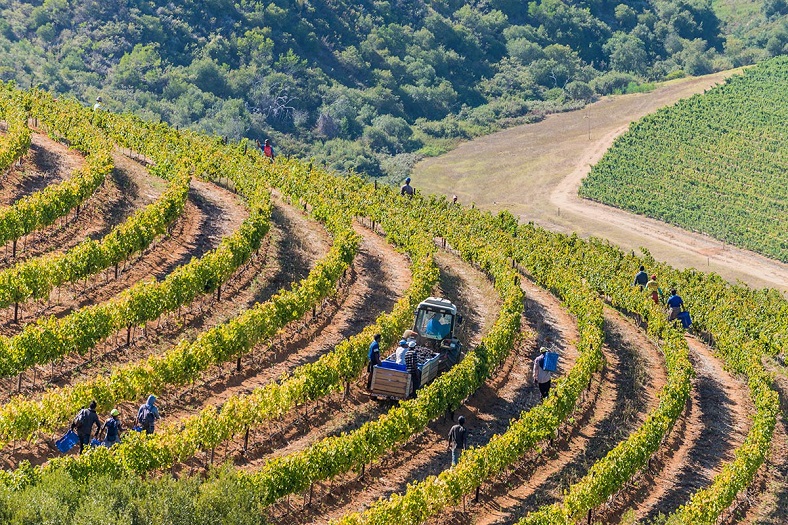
[{"x": 387, "y": 382}]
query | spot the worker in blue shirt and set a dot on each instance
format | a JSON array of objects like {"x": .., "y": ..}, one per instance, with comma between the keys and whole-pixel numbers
[
  {"x": 374, "y": 358},
  {"x": 641, "y": 278},
  {"x": 675, "y": 303}
]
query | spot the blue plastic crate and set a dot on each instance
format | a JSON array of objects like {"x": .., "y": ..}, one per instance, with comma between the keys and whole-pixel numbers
[
  {"x": 550, "y": 361},
  {"x": 67, "y": 442},
  {"x": 686, "y": 320},
  {"x": 392, "y": 365}
]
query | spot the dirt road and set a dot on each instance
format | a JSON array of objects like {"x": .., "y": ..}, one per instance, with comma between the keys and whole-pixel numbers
[{"x": 534, "y": 171}]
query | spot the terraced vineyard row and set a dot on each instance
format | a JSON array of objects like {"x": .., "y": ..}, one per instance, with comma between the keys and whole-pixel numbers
[
  {"x": 16, "y": 141},
  {"x": 744, "y": 326},
  {"x": 714, "y": 163}
]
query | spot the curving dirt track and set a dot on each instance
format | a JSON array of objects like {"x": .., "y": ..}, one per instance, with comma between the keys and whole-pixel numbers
[
  {"x": 210, "y": 214},
  {"x": 537, "y": 169},
  {"x": 425, "y": 453},
  {"x": 50, "y": 162},
  {"x": 46, "y": 162},
  {"x": 767, "y": 502},
  {"x": 378, "y": 277},
  {"x": 488, "y": 412}
]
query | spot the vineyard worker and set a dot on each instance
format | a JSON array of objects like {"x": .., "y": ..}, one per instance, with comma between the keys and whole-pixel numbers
[
  {"x": 542, "y": 377},
  {"x": 97, "y": 105},
  {"x": 410, "y": 335},
  {"x": 268, "y": 150},
  {"x": 148, "y": 414},
  {"x": 641, "y": 278},
  {"x": 406, "y": 188},
  {"x": 457, "y": 436},
  {"x": 412, "y": 366},
  {"x": 112, "y": 428},
  {"x": 675, "y": 304},
  {"x": 653, "y": 288},
  {"x": 83, "y": 425},
  {"x": 399, "y": 356},
  {"x": 374, "y": 358},
  {"x": 439, "y": 326}
]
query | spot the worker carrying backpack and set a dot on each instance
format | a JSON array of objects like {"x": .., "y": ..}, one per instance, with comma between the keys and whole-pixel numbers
[{"x": 550, "y": 362}]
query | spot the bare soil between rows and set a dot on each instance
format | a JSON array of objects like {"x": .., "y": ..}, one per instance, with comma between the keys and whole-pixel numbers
[
  {"x": 487, "y": 411},
  {"x": 210, "y": 214},
  {"x": 766, "y": 501},
  {"x": 295, "y": 244},
  {"x": 714, "y": 425},
  {"x": 109, "y": 205},
  {"x": 46, "y": 162},
  {"x": 619, "y": 397},
  {"x": 378, "y": 277}
]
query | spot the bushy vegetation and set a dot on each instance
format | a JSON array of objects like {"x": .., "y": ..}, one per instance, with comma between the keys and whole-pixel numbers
[{"x": 358, "y": 84}]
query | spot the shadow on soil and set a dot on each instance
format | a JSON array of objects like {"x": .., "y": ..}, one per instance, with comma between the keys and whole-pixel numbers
[{"x": 709, "y": 450}]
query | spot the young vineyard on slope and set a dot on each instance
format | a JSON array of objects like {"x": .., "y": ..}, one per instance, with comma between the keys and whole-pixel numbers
[
  {"x": 43, "y": 208},
  {"x": 136, "y": 480},
  {"x": 715, "y": 163},
  {"x": 14, "y": 143}
]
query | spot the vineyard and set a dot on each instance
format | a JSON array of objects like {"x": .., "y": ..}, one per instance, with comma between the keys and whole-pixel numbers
[
  {"x": 713, "y": 163},
  {"x": 244, "y": 294}
]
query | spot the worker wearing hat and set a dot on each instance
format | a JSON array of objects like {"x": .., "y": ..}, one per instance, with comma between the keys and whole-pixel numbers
[
  {"x": 97, "y": 105},
  {"x": 399, "y": 356},
  {"x": 113, "y": 428},
  {"x": 412, "y": 366}
]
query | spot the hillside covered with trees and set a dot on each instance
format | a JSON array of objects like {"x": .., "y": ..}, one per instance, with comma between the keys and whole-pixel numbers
[{"x": 367, "y": 85}]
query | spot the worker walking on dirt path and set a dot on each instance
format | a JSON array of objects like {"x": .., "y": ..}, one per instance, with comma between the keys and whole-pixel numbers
[
  {"x": 83, "y": 425},
  {"x": 653, "y": 288},
  {"x": 112, "y": 428},
  {"x": 374, "y": 358},
  {"x": 412, "y": 366},
  {"x": 457, "y": 436},
  {"x": 675, "y": 305},
  {"x": 148, "y": 414},
  {"x": 641, "y": 278},
  {"x": 407, "y": 189},
  {"x": 542, "y": 377}
]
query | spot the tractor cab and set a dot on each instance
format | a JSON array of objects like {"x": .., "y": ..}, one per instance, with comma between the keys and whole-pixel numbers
[
  {"x": 437, "y": 349},
  {"x": 436, "y": 322}
]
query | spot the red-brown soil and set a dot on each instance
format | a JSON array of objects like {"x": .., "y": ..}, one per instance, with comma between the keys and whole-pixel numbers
[
  {"x": 487, "y": 412},
  {"x": 210, "y": 214},
  {"x": 715, "y": 423},
  {"x": 766, "y": 501},
  {"x": 378, "y": 277},
  {"x": 620, "y": 396},
  {"x": 49, "y": 162},
  {"x": 293, "y": 246},
  {"x": 46, "y": 162}
]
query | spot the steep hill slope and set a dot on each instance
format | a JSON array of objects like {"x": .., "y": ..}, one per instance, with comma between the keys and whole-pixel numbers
[
  {"x": 365, "y": 85},
  {"x": 538, "y": 168}
]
